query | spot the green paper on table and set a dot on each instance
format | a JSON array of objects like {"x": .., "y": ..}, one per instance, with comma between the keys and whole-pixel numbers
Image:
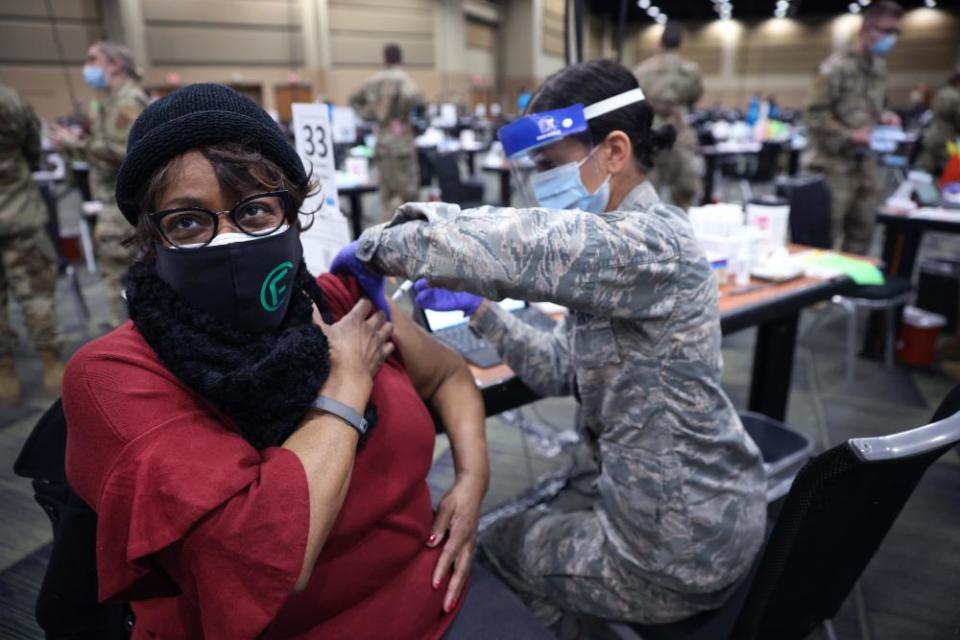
[{"x": 860, "y": 271}]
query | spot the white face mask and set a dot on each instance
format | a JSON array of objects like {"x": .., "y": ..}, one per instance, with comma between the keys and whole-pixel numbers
[{"x": 231, "y": 237}]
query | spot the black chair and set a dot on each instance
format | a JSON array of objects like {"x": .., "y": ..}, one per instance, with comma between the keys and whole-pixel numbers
[
  {"x": 768, "y": 162},
  {"x": 809, "y": 198},
  {"x": 426, "y": 166},
  {"x": 839, "y": 510},
  {"x": 67, "y": 605},
  {"x": 452, "y": 188}
]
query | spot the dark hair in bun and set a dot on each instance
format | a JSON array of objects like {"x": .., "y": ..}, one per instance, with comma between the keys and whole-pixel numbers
[{"x": 590, "y": 82}]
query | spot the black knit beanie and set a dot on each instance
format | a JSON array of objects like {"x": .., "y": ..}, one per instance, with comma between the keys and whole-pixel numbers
[{"x": 194, "y": 116}]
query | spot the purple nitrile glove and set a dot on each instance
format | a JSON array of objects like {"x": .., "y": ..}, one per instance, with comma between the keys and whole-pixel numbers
[
  {"x": 371, "y": 283},
  {"x": 445, "y": 300}
]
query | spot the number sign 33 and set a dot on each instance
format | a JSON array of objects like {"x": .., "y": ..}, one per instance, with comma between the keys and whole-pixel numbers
[{"x": 315, "y": 140}]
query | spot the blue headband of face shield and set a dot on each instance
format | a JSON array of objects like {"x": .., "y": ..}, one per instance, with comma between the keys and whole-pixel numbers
[
  {"x": 562, "y": 187},
  {"x": 536, "y": 130}
]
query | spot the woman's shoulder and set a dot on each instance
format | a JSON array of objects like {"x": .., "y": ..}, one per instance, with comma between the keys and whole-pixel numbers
[
  {"x": 340, "y": 290},
  {"x": 122, "y": 348},
  {"x": 122, "y": 343},
  {"x": 118, "y": 382}
]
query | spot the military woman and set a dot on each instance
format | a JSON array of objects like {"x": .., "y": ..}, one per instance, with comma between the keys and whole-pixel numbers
[
  {"x": 111, "y": 71},
  {"x": 679, "y": 508}
]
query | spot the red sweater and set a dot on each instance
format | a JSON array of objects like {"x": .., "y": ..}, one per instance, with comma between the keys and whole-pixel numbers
[{"x": 207, "y": 535}]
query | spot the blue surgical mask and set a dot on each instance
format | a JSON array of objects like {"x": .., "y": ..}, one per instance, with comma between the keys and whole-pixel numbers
[
  {"x": 884, "y": 44},
  {"x": 95, "y": 77},
  {"x": 563, "y": 188}
]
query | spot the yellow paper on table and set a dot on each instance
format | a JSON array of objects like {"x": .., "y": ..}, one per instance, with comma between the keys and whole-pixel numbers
[{"x": 860, "y": 271}]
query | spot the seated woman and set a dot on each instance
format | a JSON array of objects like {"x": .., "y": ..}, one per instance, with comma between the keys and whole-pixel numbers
[{"x": 255, "y": 442}]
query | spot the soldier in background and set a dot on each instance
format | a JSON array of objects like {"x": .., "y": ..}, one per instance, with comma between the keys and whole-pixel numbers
[
  {"x": 27, "y": 259},
  {"x": 389, "y": 98},
  {"x": 672, "y": 86},
  {"x": 944, "y": 128},
  {"x": 845, "y": 104},
  {"x": 110, "y": 70}
]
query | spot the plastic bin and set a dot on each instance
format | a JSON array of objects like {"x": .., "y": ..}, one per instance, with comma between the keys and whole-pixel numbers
[
  {"x": 919, "y": 332},
  {"x": 784, "y": 451},
  {"x": 770, "y": 215}
]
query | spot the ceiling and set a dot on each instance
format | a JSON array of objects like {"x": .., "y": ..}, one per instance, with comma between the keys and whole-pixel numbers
[{"x": 695, "y": 10}]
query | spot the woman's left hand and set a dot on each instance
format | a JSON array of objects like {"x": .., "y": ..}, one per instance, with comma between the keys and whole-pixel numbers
[{"x": 457, "y": 518}]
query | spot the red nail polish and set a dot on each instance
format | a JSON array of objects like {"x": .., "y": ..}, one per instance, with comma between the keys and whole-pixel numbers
[
  {"x": 453, "y": 604},
  {"x": 432, "y": 538},
  {"x": 436, "y": 585}
]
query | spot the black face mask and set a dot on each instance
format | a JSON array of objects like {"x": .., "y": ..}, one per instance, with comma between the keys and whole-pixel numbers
[{"x": 246, "y": 284}]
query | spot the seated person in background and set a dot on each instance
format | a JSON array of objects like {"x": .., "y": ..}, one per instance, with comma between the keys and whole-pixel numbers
[
  {"x": 678, "y": 506},
  {"x": 255, "y": 449}
]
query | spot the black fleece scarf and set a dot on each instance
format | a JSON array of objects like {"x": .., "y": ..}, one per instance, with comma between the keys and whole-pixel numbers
[{"x": 263, "y": 382}]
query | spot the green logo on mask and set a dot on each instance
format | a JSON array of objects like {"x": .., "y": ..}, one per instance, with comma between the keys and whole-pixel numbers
[{"x": 271, "y": 291}]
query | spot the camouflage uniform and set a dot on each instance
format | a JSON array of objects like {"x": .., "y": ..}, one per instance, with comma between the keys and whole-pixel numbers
[
  {"x": 671, "y": 85},
  {"x": 848, "y": 94},
  {"x": 388, "y": 98},
  {"x": 105, "y": 149},
  {"x": 27, "y": 260},
  {"x": 681, "y": 490},
  {"x": 944, "y": 128}
]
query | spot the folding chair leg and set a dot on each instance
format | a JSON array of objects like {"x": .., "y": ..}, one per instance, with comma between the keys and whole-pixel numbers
[
  {"x": 819, "y": 317},
  {"x": 851, "y": 341},
  {"x": 891, "y": 338},
  {"x": 86, "y": 241}
]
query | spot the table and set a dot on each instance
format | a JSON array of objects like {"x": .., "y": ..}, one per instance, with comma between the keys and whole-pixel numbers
[
  {"x": 710, "y": 155},
  {"x": 354, "y": 193},
  {"x": 902, "y": 236},
  {"x": 504, "y": 171},
  {"x": 45, "y": 181},
  {"x": 774, "y": 309},
  {"x": 903, "y": 233},
  {"x": 471, "y": 152}
]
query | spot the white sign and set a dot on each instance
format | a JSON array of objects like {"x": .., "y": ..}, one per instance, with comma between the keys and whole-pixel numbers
[
  {"x": 330, "y": 230},
  {"x": 344, "y": 125},
  {"x": 447, "y": 117}
]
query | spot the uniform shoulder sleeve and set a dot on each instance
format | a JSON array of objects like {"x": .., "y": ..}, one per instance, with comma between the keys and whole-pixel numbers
[
  {"x": 946, "y": 103},
  {"x": 618, "y": 263},
  {"x": 832, "y": 65},
  {"x": 691, "y": 68},
  {"x": 842, "y": 63},
  {"x": 827, "y": 83},
  {"x": 130, "y": 104}
]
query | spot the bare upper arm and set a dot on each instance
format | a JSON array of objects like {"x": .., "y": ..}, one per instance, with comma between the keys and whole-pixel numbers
[{"x": 428, "y": 362}]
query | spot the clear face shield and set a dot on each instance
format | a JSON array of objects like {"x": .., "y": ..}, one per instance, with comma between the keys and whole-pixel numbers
[{"x": 553, "y": 159}]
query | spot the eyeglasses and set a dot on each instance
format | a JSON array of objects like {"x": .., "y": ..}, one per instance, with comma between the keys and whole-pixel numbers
[{"x": 194, "y": 227}]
